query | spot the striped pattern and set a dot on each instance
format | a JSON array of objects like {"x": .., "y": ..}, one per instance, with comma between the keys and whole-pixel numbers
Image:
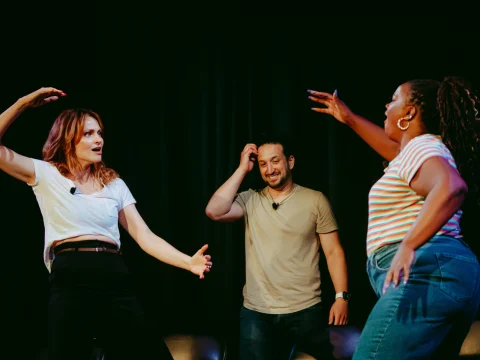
[{"x": 393, "y": 205}]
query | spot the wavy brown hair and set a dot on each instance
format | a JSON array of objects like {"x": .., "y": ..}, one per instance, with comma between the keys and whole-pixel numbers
[{"x": 65, "y": 134}]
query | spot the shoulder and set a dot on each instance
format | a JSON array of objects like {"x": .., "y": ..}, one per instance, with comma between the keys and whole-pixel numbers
[
  {"x": 315, "y": 194},
  {"x": 424, "y": 143},
  {"x": 44, "y": 164},
  {"x": 45, "y": 169},
  {"x": 117, "y": 184}
]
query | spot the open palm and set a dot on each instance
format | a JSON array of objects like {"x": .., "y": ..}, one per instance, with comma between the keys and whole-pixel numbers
[{"x": 333, "y": 105}]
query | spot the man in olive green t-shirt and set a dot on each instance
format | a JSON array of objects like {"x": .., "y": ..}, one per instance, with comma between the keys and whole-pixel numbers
[{"x": 285, "y": 224}]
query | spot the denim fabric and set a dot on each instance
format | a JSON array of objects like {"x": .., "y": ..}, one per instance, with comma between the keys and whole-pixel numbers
[
  {"x": 429, "y": 316},
  {"x": 273, "y": 337}
]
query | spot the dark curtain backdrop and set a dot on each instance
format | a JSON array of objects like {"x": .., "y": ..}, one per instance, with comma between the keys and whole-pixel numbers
[{"x": 180, "y": 96}]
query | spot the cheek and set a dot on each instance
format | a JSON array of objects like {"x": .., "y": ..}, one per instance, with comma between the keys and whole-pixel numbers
[{"x": 81, "y": 147}]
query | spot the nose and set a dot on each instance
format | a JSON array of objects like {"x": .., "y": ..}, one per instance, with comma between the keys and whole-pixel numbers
[
  {"x": 269, "y": 168},
  {"x": 98, "y": 139}
]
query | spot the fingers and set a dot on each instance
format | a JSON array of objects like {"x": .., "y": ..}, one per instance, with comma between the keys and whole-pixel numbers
[
  {"x": 203, "y": 249},
  {"x": 393, "y": 277},
  {"x": 50, "y": 99},
  {"x": 406, "y": 273},
  {"x": 388, "y": 281},
  {"x": 250, "y": 149},
  {"x": 321, "y": 95},
  {"x": 51, "y": 90},
  {"x": 337, "y": 319},
  {"x": 322, "y": 110}
]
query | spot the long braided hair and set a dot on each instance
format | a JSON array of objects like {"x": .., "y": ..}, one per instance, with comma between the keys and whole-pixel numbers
[{"x": 450, "y": 109}]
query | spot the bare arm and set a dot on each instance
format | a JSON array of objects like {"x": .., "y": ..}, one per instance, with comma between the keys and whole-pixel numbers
[
  {"x": 337, "y": 267},
  {"x": 336, "y": 262},
  {"x": 221, "y": 206},
  {"x": 371, "y": 133},
  {"x": 444, "y": 191},
  {"x": 157, "y": 247},
  {"x": 16, "y": 165}
]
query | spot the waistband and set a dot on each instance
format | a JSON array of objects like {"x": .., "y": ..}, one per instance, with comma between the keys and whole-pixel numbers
[{"x": 87, "y": 245}]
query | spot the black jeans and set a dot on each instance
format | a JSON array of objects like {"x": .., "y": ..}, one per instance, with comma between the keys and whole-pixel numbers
[
  {"x": 92, "y": 296},
  {"x": 270, "y": 336}
]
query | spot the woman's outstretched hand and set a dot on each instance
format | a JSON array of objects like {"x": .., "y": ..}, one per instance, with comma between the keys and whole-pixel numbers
[
  {"x": 200, "y": 263},
  {"x": 333, "y": 105},
  {"x": 42, "y": 96}
]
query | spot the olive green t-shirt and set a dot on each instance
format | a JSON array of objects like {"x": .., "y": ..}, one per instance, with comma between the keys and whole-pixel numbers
[{"x": 282, "y": 249}]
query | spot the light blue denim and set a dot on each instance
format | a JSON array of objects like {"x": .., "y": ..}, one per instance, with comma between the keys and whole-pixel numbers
[{"x": 430, "y": 316}]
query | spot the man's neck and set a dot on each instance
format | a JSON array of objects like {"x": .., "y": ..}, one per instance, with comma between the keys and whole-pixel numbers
[{"x": 286, "y": 189}]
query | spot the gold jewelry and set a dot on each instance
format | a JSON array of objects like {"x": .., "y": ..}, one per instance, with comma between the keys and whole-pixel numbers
[{"x": 407, "y": 119}]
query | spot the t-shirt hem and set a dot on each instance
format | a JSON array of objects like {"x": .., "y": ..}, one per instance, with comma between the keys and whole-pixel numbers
[{"x": 283, "y": 310}]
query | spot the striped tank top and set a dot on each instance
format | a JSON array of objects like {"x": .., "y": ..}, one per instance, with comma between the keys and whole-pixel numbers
[{"x": 393, "y": 205}]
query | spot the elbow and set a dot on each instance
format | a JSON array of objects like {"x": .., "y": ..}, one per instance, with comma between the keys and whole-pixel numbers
[
  {"x": 458, "y": 190},
  {"x": 211, "y": 214}
]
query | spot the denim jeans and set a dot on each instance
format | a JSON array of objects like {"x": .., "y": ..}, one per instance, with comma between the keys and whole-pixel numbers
[
  {"x": 273, "y": 337},
  {"x": 430, "y": 316}
]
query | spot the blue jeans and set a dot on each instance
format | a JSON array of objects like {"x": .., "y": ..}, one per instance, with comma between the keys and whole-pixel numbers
[
  {"x": 273, "y": 337},
  {"x": 430, "y": 316}
]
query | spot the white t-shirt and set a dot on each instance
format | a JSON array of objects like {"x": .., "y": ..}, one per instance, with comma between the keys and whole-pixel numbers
[{"x": 66, "y": 215}]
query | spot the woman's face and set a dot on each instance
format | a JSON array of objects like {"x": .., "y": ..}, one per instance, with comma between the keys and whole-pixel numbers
[
  {"x": 89, "y": 149},
  {"x": 397, "y": 109}
]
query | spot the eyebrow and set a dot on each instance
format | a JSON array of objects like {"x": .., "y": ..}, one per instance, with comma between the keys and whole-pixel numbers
[{"x": 272, "y": 158}]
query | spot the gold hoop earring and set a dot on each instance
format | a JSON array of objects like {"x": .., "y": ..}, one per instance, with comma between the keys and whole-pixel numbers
[{"x": 407, "y": 119}]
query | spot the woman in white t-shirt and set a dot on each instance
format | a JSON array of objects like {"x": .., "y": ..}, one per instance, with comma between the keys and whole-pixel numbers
[
  {"x": 91, "y": 292},
  {"x": 425, "y": 275}
]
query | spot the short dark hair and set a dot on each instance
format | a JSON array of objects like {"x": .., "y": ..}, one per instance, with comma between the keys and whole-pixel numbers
[{"x": 286, "y": 143}]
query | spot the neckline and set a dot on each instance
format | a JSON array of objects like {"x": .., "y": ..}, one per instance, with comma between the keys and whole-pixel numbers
[
  {"x": 295, "y": 187},
  {"x": 72, "y": 184}
]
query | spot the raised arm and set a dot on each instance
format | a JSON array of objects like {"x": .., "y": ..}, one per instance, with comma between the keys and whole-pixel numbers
[
  {"x": 157, "y": 247},
  {"x": 16, "y": 165},
  {"x": 372, "y": 134},
  {"x": 221, "y": 206}
]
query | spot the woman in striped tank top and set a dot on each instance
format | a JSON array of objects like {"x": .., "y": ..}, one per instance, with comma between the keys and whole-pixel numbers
[{"x": 426, "y": 277}]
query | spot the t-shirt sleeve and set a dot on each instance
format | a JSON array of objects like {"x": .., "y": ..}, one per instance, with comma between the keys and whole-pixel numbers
[
  {"x": 415, "y": 155},
  {"x": 243, "y": 197},
  {"x": 43, "y": 172},
  {"x": 125, "y": 197},
  {"x": 326, "y": 221}
]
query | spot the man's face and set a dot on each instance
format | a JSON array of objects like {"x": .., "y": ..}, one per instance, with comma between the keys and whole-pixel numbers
[{"x": 275, "y": 168}]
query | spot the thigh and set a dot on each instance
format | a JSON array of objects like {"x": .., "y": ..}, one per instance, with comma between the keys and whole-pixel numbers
[
  {"x": 308, "y": 330},
  {"x": 126, "y": 333},
  {"x": 70, "y": 319},
  {"x": 414, "y": 319},
  {"x": 258, "y": 337}
]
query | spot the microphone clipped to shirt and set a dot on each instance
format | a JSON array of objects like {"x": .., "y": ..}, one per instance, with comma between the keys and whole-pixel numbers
[
  {"x": 72, "y": 190},
  {"x": 275, "y": 205}
]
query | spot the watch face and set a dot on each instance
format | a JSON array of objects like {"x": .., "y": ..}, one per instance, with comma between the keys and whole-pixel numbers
[{"x": 346, "y": 295}]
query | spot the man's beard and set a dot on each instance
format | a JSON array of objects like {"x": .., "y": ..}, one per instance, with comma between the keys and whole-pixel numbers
[{"x": 281, "y": 183}]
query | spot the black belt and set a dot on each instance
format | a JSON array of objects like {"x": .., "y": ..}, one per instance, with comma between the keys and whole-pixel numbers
[{"x": 87, "y": 245}]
